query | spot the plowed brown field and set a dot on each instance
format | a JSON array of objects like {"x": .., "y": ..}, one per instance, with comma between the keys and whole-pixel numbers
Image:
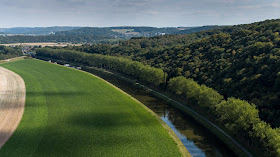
[{"x": 12, "y": 100}]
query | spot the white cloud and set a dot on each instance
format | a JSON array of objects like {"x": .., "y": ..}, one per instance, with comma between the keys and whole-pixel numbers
[
  {"x": 135, "y": 12},
  {"x": 259, "y": 6}
]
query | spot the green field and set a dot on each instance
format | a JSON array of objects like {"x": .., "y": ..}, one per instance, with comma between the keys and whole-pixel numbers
[{"x": 72, "y": 113}]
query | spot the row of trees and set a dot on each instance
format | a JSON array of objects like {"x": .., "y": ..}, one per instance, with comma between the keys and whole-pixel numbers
[
  {"x": 131, "y": 68},
  {"x": 238, "y": 116}
]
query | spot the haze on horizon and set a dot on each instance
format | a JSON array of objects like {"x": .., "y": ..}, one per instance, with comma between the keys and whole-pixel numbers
[{"x": 158, "y": 13}]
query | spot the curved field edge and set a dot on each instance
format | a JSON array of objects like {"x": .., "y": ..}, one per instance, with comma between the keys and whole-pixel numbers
[
  {"x": 12, "y": 101},
  {"x": 124, "y": 128},
  {"x": 182, "y": 148}
]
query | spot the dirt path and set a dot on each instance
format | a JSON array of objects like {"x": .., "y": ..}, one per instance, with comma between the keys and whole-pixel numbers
[{"x": 12, "y": 100}]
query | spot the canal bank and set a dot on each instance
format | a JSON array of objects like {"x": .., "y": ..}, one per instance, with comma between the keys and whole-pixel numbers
[{"x": 196, "y": 137}]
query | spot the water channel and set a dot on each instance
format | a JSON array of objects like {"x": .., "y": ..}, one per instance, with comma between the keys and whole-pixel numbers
[{"x": 199, "y": 141}]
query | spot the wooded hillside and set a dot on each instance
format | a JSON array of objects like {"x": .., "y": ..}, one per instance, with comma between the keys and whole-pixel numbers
[{"x": 239, "y": 61}]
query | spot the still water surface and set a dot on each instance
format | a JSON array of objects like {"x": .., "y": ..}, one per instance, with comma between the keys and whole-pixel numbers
[{"x": 198, "y": 140}]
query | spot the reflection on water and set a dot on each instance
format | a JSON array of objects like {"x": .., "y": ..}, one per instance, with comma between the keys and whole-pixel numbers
[{"x": 199, "y": 141}]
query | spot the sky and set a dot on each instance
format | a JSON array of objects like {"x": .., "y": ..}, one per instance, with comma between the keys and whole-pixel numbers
[{"x": 158, "y": 13}]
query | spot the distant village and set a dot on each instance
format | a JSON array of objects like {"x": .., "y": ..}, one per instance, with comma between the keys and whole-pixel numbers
[{"x": 28, "y": 50}]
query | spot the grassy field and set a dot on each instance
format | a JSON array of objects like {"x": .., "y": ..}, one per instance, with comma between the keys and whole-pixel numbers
[{"x": 72, "y": 113}]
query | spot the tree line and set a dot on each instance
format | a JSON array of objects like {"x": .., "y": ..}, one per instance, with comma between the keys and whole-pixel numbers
[
  {"x": 238, "y": 116},
  {"x": 83, "y": 38},
  {"x": 9, "y": 52},
  {"x": 131, "y": 68}
]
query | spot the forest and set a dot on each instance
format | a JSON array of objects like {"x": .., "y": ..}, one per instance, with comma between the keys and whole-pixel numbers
[
  {"x": 84, "y": 38},
  {"x": 9, "y": 52},
  {"x": 137, "y": 31},
  {"x": 239, "y": 61},
  {"x": 35, "y": 30}
]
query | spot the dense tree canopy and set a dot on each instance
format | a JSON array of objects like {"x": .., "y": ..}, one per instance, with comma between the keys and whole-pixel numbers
[
  {"x": 56, "y": 38},
  {"x": 240, "y": 61},
  {"x": 9, "y": 52}
]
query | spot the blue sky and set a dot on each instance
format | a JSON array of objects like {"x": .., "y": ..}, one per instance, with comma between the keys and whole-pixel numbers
[{"x": 159, "y": 13}]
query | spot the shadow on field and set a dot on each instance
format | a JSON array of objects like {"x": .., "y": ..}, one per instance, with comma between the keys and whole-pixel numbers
[
  {"x": 107, "y": 120},
  {"x": 9, "y": 106},
  {"x": 33, "y": 95},
  {"x": 66, "y": 93},
  {"x": 103, "y": 134},
  {"x": 3, "y": 135}
]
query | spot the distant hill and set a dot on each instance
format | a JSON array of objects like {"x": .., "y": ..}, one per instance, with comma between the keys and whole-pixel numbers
[
  {"x": 128, "y": 32},
  {"x": 125, "y": 31},
  {"x": 36, "y": 30},
  {"x": 89, "y": 30},
  {"x": 197, "y": 29},
  {"x": 88, "y": 34},
  {"x": 90, "y": 38}
]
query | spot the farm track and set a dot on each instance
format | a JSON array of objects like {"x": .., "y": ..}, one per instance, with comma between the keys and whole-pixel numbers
[{"x": 12, "y": 101}]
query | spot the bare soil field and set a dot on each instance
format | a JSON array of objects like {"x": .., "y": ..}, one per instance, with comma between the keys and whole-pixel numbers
[
  {"x": 41, "y": 44},
  {"x": 12, "y": 101}
]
